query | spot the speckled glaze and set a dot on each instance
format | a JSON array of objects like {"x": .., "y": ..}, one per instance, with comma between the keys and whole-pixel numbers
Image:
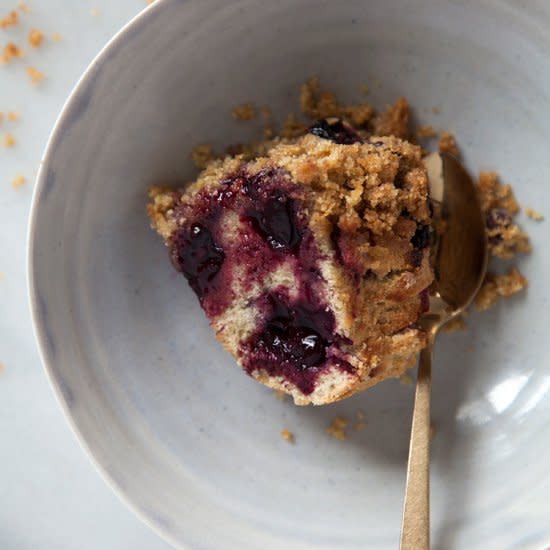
[{"x": 187, "y": 439}]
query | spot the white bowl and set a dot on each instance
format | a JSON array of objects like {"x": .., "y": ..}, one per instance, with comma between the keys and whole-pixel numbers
[{"x": 189, "y": 440}]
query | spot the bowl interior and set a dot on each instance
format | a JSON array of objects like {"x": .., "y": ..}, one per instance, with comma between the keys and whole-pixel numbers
[{"x": 183, "y": 434}]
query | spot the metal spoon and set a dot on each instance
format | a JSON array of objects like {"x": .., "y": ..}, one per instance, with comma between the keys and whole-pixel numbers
[{"x": 460, "y": 263}]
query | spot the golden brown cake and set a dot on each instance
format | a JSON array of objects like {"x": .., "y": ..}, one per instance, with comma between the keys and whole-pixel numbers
[{"x": 312, "y": 260}]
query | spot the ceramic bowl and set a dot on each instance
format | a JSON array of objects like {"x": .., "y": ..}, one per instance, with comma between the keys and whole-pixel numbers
[{"x": 183, "y": 435}]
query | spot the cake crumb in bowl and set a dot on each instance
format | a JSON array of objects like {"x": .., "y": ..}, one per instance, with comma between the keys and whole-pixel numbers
[
  {"x": 337, "y": 428},
  {"x": 10, "y": 51},
  {"x": 35, "y": 75},
  {"x": 288, "y": 436},
  {"x": 499, "y": 286},
  {"x": 35, "y": 38},
  {"x": 245, "y": 111},
  {"x": 533, "y": 214},
  {"x": 18, "y": 181},
  {"x": 9, "y": 20}
]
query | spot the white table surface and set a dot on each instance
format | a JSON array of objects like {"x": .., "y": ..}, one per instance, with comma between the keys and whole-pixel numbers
[{"x": 51, "y": 496}]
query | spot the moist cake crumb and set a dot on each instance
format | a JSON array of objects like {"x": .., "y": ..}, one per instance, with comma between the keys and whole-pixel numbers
[
  {"x": 337, "y": 428},
  {"x": 287, "y": 436},
  {"x": 245, "y": 111},
  {"x": 533, "y": 214},
  {"x": 447, "y": 144}
]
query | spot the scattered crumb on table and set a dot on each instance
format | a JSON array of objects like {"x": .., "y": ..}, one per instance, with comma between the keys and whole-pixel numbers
[
  {"x": 35, "y": 75},
  {"x": 10, "y": 52},
  {"x": 18, "y": 181},
  {"x": 337, "y": 428},
  {"x": 56, "y": 37},
  {"x": 287, "y": 436},
  {"x": 8, "y": 140},
  {"x": 201, "y": 155},
  {"x": 94, "y": 12},
  {"x": 533, "y": 214},
  {"x": 447, "y": 144},
  {"x": 12, "y": 116},
  {"x": 245, "y": 111},
  {"x": 2, "y": 367},
  {"x": 426, "y": 131},
  {"x": 9, "y": 20},
  {"x": 35, "y": 38}
]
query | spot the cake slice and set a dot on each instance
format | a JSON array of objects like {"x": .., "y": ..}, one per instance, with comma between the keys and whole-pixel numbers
[{"x": 311, "y": 261}]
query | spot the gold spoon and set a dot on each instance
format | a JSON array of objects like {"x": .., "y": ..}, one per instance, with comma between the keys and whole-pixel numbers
[{"x": 460, "y": 263}]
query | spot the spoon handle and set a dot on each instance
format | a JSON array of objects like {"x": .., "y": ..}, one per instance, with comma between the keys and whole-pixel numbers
[{"x": 415, "y": 528}]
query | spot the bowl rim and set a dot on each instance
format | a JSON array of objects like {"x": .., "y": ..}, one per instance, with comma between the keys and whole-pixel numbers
[{"x": 37, "y": 321}]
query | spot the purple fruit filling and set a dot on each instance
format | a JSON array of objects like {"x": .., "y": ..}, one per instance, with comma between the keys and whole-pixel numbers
[
  {"x": 275, "y": 221},
  {"x": 336, "y": 131},
  {"x": 293, "y": 341},
  {"x": 198, "y": 257}
]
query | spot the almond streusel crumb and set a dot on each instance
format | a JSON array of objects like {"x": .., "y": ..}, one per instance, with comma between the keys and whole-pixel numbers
[
  {"x": 447, "y": 144},
  {"x": 533, "y": 214},
  {"x": 245, "y": 111},
  {"x": 496, "y": 286},
  {"x": 337, "y": 428},
  {"x": 9, "y": 20},
  {"x": 287, "y": 436},
  {"x": 201, "y": 155},
  {"x": 35, "y": 38},
  {"x": 35, "y": 75}
]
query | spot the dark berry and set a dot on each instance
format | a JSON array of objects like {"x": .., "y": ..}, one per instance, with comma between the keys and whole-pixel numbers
[
  {"x": 197, "y": 256},
  {"x": 275, "y": 221},
  {"x": 336, "y": 131},
  {"x": 421, "y": 237}
]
